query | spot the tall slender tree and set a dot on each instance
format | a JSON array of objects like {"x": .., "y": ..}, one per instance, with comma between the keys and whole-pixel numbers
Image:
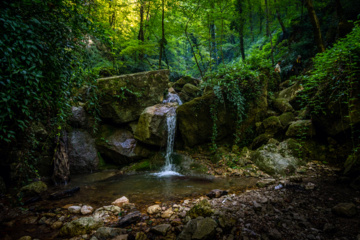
[{"x": 316, "y": 25}]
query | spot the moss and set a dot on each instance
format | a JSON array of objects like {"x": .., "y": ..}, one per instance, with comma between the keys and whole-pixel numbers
[
  {"x": 272, "y": 122},
  {"x": 282, "y": 105},
  {"x": 203, "y": 209},
  {"x": 141, "y": 166},
  {"x": 261, "y": 140},
  {"x": 286, "y": 118}
]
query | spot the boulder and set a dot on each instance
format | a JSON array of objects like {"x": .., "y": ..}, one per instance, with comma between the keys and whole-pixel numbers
[
  {"x": 286, "y": 119},
  {"x": 80, "y": 119},
  {"x": 275, "y": 158},
  {"x": 179, "y": 84},
  {"x": 124, "y": 97},
  {"x": 129, "y": 219},
  {"x": 261, "y": 140},
  {"x": 203, "y": 209},
  {"x": 80, "y": 226},
  {"x": 345, "y": 209},
  {"x": 120, "y": 201},
  {"x": 152, "y": 125},
  {"x": 161, "y": 229},
  {"x": 290, "y": 93},
  {"x": 105, "y": 233},
  {"x": 272, "y": 125},
  {"x": 282, "y": 105},
  {"x": 200, "y": 229},
  {"x": 83, "y": 155},
  {"x": 189, "y": 92},
  {"x": 106, "y": 213},
  {"x": 119, "y": 145},
  {"x": 33, "y": 189},
  {"x": 301, "y": 128},
  {"x": 196, "y": 124}
]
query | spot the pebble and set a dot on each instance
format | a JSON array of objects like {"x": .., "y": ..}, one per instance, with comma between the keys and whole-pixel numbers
[
  {"x": 74, "y": 209},
  {"x": 56, "y": 225},
  {"x": 167, "y": 213},
  {"x": 153, "y": 209},
  {"x": 86, "y": 210}
]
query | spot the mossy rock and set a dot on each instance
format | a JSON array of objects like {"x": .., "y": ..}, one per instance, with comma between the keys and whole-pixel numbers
[
  {"x": 282, "y": 105},
  {"x": 201, "y": 209},
  {"x": 286, "y": 118},
  {"x": 80, "y": 226},
  {"x": 301, "y": 128},
  {"x": 33, "y": 189},
  {"x": 272, "y": 124},
  {"x": 179, "y": 84},
  {"x": 261, "y": 140}
]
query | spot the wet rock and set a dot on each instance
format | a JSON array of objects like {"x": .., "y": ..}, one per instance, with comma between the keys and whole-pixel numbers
[
  {"x": 203, "y": 208},
  {"x": 129, "y": 219},
  {"x": 105, "y": 233},
  {"x": 154, "y": 209},
  {"x": 161, "y": 229},
  {"x": 301, "y": 128},
  {"x": 83, "y": 155},
  {"x": 25, "y": 238},
  {"x": 120, "y": 145},
  {"x": 80, "y": 226},
  {"x": 86, "y": 209},
  {"x": 345, "y": 209},
  {"x": 56, "y": 225},
  {"x": 120, "y": 201},
  {"x": 119, "y": 109},
  {"x": 168, "y": 213},
  {"x": 74, "y": 209},
  {"x": 266, "y": 182},
  {"x": 152, "y": 127},
  {"x": 33, "y": 189},
  {"x": 227, "y": 222},
  {"x": 216, "y": 193}
]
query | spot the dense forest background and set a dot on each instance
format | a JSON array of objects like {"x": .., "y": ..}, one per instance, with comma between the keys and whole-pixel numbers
[{"x": 51, "y": 49}]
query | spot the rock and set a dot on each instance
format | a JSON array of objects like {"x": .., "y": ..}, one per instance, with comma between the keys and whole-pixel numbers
[
  {"x": 203, "y": 209},
  {"x": 25, "y": 238},
  {"x": 216, "y": 193},
  {"x": 226, "y": 222},
  {"x": 286, "y": 119},
  {"x": 83, "y": 155},
  {"x": 261, "y": 140},
  {"x": 120, "y": 201},
  {"x": 189, "y": 92},
  {"x": 272, "y": 158},
  {"x": 153, "y": 209},
  {"x": 121, "y": 237},
  {"x": 105, "y": 213},
  {"x": 33, "y": 189},
  {"x": 290, "y": 93},
  {"x": 168, "y": 213},
  {"x": 345, "y": 210},
  {"x": 80, "y": 119},
  {"x": 296, "y": 179},
  {"x": 309, "y": 186},
  {"x": 105, "y": 233},
  {"x": 124, "y": 97},
  {"x": 282, "y": 105},
  {"x": 39, "y": 130},
  {"x": 194, "y": 117},
  {"x": 161, "y": 229},
  {"x": 200, "y": 229},
  {"x": 274, "y": 234},
  {"x": 266, "y": 182},
  {"x": 152, "y": 125},
  {"x": 74, "y": 209},
  {"x": 272, "y": 124},
  {"x": 129, "y": 219},
  {"x": 86, "y": 210},
  {"x": 301, "y": 128},
  {"x": 140, "y": 236},
  {"x": 119, "y": 145},
  {"x": 56, "y": 225},
  {"x": 179, "y": 84},
  {"x": 80, "y": 226}
]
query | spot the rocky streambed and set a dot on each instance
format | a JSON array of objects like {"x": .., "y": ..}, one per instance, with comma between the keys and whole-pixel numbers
[{"x": 314, "y": 203}]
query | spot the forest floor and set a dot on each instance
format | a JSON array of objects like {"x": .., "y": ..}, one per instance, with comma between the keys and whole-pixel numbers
[{"x": 303, "y": 206}]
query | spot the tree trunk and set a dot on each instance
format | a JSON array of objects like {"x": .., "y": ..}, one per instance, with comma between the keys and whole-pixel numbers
[
  {"x": 239, "y": 8},
  {"x": 316, "y": 26},
  {"x": 61, "y": 173},
  {"x": 261, "y": 17},
  {"x": 279, "y": 19},
  {"x": 251, "y": 20},
  {"x": 267, "y": 19},
  {"x": 162, "y": 41},
  {"x": 141, "y": 30}
]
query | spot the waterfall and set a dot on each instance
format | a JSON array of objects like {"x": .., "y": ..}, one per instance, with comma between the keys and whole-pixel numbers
[{"x": 169, "y": 169}]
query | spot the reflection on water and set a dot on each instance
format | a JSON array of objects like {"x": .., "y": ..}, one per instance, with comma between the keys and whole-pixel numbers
[{"x": 104, "y": 187}]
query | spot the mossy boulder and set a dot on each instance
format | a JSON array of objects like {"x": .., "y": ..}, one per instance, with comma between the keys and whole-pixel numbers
[
  {"x": 282, "y": 105},
  {"x": 272, "y": 124},
  {"x": 83, "y": 155},
  {"x": 196, "y": 124},
  {"x": 301, "y": 128},
  {"x": 275, "y": 158},
  {"x": 290, "y": 93},
  {"x": 152, "y": 126},
  {"x": 201, "y": 209},
  {"x": 119, "y": 145},
  {"x": 189, "y": 92},
  {"x": 261, "y": 140},
  {"x": 179, "y": 84},
  {"x": 123, "y": 98},
  {"x": 33, "y": 189},
  {"x": 80, "y": 226},
  {"x": 286, "y": 119}
]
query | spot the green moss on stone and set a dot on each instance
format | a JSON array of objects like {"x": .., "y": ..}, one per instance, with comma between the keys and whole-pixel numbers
[{"x": 202, "y": 209}]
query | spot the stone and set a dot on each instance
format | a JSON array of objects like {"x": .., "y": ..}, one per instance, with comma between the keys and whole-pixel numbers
[
  {"x": 25, "y": 238},
  {"x": 261, "y": 140},
  {"x": 83, "y": 157},
  {"x": 153, "y": 209},
  {"x": 33, "y": 189},
  {"x": 124, "y": 97},
  {"x": 80, "y": 226},
  {"x": 266, "y": 182},
  {"x": 105, "y": 233},
  {"x": 56, "y": 225},
  {"x": 119, "y": 145},
  {"x": 309, "y": 186},
  {"x": 120, "y": 201},
  {"x": 301, "y": 128},
  {"x": 74, "y": 209},
  {"x": 167, "y": 213},
  {"x": 179, "y": 84},
  {"x": 272, "y": 124},
  {"x": 79, "y": 118},
  {"x": 282, "y": 105},
  {"x": 189, "y": 92},
  {"x": 121, "y": 237},
  {"x": 39, "y": 130},
  {"x": 290, "y": 93},
  {"x": 216, "y": 193},
  {"x": 286, "y": 119},
  {"x": 129, "y": 219},
  {"x": 161, "y": 229},
  {"x": 199, "y": 229},
  {"x": 296, "y": 179},
  {"x": 152, "y": 126},
  {"x": 86, "y": 209},
  {"x": 203, "y": 209},
  {"x": 274, "y": 234},
  {"x": 140, "y": 236},
  {"x": 345, "y": 209},
  {"x": 105, "y": 213}
]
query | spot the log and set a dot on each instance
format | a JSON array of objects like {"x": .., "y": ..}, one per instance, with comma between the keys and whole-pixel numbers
[{"x": 64, "y": 194}]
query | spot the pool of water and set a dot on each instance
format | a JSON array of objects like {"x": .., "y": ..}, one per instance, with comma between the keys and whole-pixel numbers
[{"x": 99, "y": 189}]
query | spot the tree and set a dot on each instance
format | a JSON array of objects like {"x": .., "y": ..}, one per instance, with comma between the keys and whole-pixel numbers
[{"x": 316, "y": 25}]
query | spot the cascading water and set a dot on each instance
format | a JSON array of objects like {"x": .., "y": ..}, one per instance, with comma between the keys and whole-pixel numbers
[{"x": 169, "y": 169}]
